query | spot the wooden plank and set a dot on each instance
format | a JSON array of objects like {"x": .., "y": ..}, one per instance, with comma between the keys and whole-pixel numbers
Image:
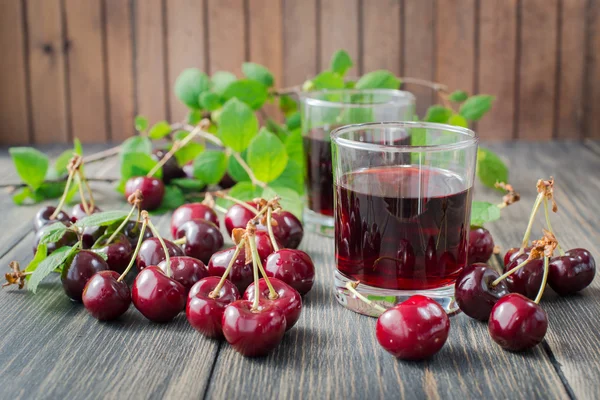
[
  {"x": 119, "y": 46},
  {"x": 86, "y": 69},
  {"x": 13, "y": 98},
  {"x": 226, "y": 35},
  {"x": 419, "y": 49},
  {"x": 339, "y": 29},
  {"x": 382, "y": 36},
  {"x": 537, "y": 69},
  {"x": 47, "y": 71},
  {"x": 150, "y": 60},
  {"x": 593, "y": 83},
  {"x": 185, "y": 44},
  {"x": 497, "y": 54},
  {"x": 300, "y": 58}
]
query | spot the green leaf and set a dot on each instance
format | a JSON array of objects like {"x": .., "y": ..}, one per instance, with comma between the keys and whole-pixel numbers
[
  {"x": 101, "y": 254},
  {"x": 294, "y": 146},
  {"x": 244, "y": 191},
  {"x": 258, "y": 73},
  {"x": 194, "y": 117},
  {"x": 137, "y": 164},
  {"x": 104, "y": 218},
  {"x": 136, "y": 144},
  {"x": 458, "y": 120},
  {"x": 61, "y": 163},
  {"x": 238, "y": 125},
  {"x": 52, "y": 262},
  {"x": 482, "y": 212},
  {"x": 77, "y": 147},
  {"x": 280, "y": 130},
  {"x": 159, "y": 130},
  {"x": 221, "y": 80},
  {"x": 250, "y": 92},
  {"x": 380, "y": 79},
  {"x": 53, "y": 233},
  {"x": 31, "y": 165},
  {"x": 293, "y": 121},
  {"x": 349, "y": 84},
  {"x": 21, "y": 195},
  {"x": 188, "y": 185},
  {"x": 292, "y": 177},
  {"x": 341, "y": 62},
  {"x": 437, "y": 113},
  {"x": 476, "y": 106},
  {"x": 40, "y": 255},
  {"x": 290, "y": 200},
  {"x": 267, "y": 156},
  {"x": 172, "y": 199},
  {"x": 458, "y": 96},
  {"x": 327, "y": 80},
  {"x": 490, "y": 168},
  {"x": 141, "y": 123},
  {"x": 287, "y": 105},
  {"x": 210, "y": 166},
  {"x": 210, "y": 101},
  {"x": 188, "y": 152},
  {"x": 236, "y": 171},
  {"x": 188, "y": 86}
]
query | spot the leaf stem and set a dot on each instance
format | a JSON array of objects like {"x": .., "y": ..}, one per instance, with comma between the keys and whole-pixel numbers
[
  {"x": 135, "y": 252},
  {"x": 156, "y": 234},
  {"x": 176, "y": 146},
  {"x": 560, "y": 250},
  {"x": 351, "y": 286},
  {"x": 509, "y": 273},
  {"x": 120, "y": 227},
  {"x": 544, "y": 281},
  {"x": 270, "y": 229},
  {"x": 236, "y": 253},
  {"x": 248, "y": 170},
  {"x": 236, "y": 201}
]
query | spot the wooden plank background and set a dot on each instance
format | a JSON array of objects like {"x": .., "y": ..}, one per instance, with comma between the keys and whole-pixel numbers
[{"x": 85, "y": 68}]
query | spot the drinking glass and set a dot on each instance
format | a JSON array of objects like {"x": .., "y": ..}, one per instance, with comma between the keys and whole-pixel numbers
[
  {"x": 323, "y": 111},
  {"x": 402, "y": 210}
]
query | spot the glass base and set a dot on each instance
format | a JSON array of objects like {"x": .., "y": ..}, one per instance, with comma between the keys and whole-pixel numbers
[
  {"x": 388, "y": 298},
  {"x": 318, "y": 223}
]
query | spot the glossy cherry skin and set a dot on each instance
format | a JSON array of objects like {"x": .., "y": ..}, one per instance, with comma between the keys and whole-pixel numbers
[
  {"x": 170, "y": 169},
  {"x": 241, "y": 273},
  {"x": 42, "y": 217},
  {"x": 90, "y": 235},
  {"x": 132, "y": 231},
  {"x": 118, "y": 253},
  {"x": 204, "y": 313},
  {"x": 293, "y": 267},
  {"x": 203, "y": 239},
  {"x": 238, "y": 216},
  {"x": 517, "y": 323},
  {"x": 572, "y": 272},
  {"x": 226, "y": 182},
  {"x": 152, "y": 189},
  {"x": 474, "y": 292},
  {"x": 481, "y": 245},
  {"x": 528, "y": 279},
  {"x": 192, "y": 211},
  {"x": 152, "y": 253},
  {"x": 253, "y": 333},
  {"x": 78, "y": 271},
  {"x": 186, "y": 270},
  {"x": 289, "y": 300},
  {"x": 511, "y": 254},
  {"x": 68, "y": 239},
  {"x": 78, "y": 212},
  {"x": 288, "y": 230},
  {"x": 105, "y": 297},
  {"x": 414, "y": 329},
  {"x": 158, "y": 297}
]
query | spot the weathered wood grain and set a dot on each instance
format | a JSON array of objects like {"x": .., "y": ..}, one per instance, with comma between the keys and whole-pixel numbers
[
  {"x": 382, "y": 36},
  {"x": 593, "y": 71},
  {"x": 339, "y": 29},
  {"x": 300, "y": 47},
  {"x": 227, "y": 36}
]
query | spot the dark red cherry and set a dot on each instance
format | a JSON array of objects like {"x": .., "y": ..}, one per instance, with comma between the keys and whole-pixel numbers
[
  {"x": 158, "y": 297},
  {"x": 170, "y": 169},
  {"x": 253, "y": 333},
  {"x": 474, "y": 292},
  {"x": 517, "y": 323},
  {"x": 152, "y": 189},
  {"x": 241, "y": 273},
  {"x": 238, "y": 216},
  {"x": 205, "y": 313},
  {"x": 572, "y": 272},
  {"x": 42, "y": 217},
  {"x": 293, "y": 267},
  {"x": 226, "y": 182},
  {"x": 90, "y": 235},
  {"x": 528, "y": 279},
  {"x": 186, "y": 270},
  {"x": 512, "y": 253},
  {"x": 68, "y": 239},
  {"x": 78, "y": 270},
  {"x": 78, "y": 212},
  {"x": 264, "y": 247},
  {"x": 152, "y": 253},
  {"x": 481, "y": 245},
  {"x": 203, "y": 239},
  {"x": 192, "y": 211},
  {"x": 118, "y": 253},
  {"x": 289, "y": 300},
  {"x": 288, "y": 229},
  {"x": 132, "y": 231},
  {"x": 105, "y": 297},
  {"x": 414, "y": 329}
]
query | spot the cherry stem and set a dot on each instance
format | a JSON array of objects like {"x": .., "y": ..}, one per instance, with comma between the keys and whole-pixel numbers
[
  {"x": 536, "y": 207},
  {"x": 64, "y": 196},
  {"x": 180, "y": 241},
  {"x": 272, "y": 292},
  {"x": 220, "y": 209},
  {"x": 102, "y": 155},
  {"x": 135, "y": 252},
  {"x": 120, "y": 227},
  {"x": 509, "y": 273},
  {"x": 88, "y": 189},
  {"x": 168, "y": 271},
  {"x": 270, "y": 229},
  {"x": 351, "y": 286},
  {"x": 255, "y": 273},
  {"x": 248, "y": 170},
  {"x": 236, "y": 201},
  {"x": 176, "y": 146},
  {"x": 84, "y": 203},
  {"x": 544, "y": 280},
  {"x": 560, "y": 250},
  {"x": 236, "y": 253}
]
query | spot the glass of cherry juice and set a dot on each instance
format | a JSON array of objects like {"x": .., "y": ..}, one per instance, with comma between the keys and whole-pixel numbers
[
  {"x": 323, "y": 111},
  {"x": 402, "y": 210}
]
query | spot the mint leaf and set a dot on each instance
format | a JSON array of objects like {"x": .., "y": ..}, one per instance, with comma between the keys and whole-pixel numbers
[
  {"x": 53, "y": 233},
  {"x": 221, "y": 80},
  {"x": 458, "y": 96},
  {"x": 293, "y": 121},
  {"x": 327, "y": 80},
  {"x": 248, "y": 91},
  {"x": 292, "y": 177},
  {"x": 137, "y": 164},
  {"x": 267, "y": 156},
  {"x": 236, "y": 171},
  {"x": 188, "y": 86},
  {"x": 40, "y": 255},
  {"x": 104, "y": 218},
  {"x": 482, "y": 212},
  {"x": 31, "y": 165},
  {"x": 341, "y": 62},
  {"x": 52, "y": 262},
  {"x": 209, "y": 101},
  {"x": 490, "y": 168},
  {"x": 437, "y": 113},
  {"x": 287, "y": 105},
  {"x": 290, "y": 200},
  {"x": 237, "y": 125},
  {"x": 476, "y": 106},
  {"x": 258, "y": 73},
  {"x": 159, "y": 130},
  {"x": 210, "y": 166},
  {"x": 188, "y": 152},
  {"x": 136, "y": 144},
  {"x": 141, "y": 123},
  {"x": 458, "y": 120},
  {"x": 380, "y": 79}
]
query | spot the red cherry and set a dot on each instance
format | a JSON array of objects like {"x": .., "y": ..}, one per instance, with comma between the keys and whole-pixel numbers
[
  {"x": 132, "y": 231},
  {"x": 118, "y": 253},
  {"x": 152, "y": 189},
  {"x": 474, "y": 294},
  {"x": 158, "y": 297},
  {"x": 238, "y": 216},
  {"x": 572, "y": 272},
  {"x": 78, "y": 212},
  {"x": 105, "y": 297},
  {"x": 42, "y": 217},
  {"x": 186, "y": 270},
  {"x": 253, "y": 333},
  {"x": 517, "y": 323},
  {"x": 512, "y": 253},
  {"x": 414, "y": 329},
  {"x": 288, "y": 300},
  {"x": 90, "y": 235},
  {"x": 288, "y": 229},
  {"x": 78, "y": 270},
  {"x": 481, "y": 245},
  {"x": 152, "y": 253},
  {"x": 528, "y": 279},
  {"x": 192, "y": 211},
  {"x": 226, "y": 182},
  {"x": 241, "y": 273},
  {"x": 293, "y": 267},
  {"x": 170, "y": 169},
  {"x": 203, "y": 239},
  {"x": 205, "y": 313}
]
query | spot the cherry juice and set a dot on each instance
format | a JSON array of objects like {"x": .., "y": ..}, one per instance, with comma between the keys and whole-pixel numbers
[{"x": 402, "y": 227}]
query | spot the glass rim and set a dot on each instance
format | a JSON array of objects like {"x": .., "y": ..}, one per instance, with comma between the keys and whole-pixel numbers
[
  {"x": 396, "y": 96},
  {"x": 470, "y": 137}
]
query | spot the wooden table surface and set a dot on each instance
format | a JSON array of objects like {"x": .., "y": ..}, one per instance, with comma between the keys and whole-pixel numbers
[{"x": 51, "y": 348}]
